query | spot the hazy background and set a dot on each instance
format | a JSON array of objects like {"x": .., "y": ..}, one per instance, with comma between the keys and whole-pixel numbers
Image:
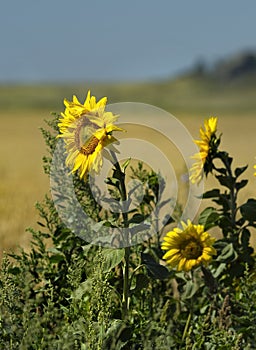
[
  {"x": 56, "y": 41},
  {"x": 193, "y": 59}
]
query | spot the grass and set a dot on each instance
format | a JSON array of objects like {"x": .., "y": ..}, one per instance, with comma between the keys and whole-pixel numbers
[{"x": 190, "y": 99}]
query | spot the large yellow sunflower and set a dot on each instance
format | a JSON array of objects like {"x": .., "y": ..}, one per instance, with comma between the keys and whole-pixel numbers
[
  {"x": 74, "y": 110},
  {"x": 188, "y": 247},
  {"x": 206, "y": 134},
  {"x": 86, "y": 129}
]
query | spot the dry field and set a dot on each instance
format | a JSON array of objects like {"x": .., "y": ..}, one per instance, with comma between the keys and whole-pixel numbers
[
  {"x": 22, "y": 179},
  {"x": 22, "y": 147}
]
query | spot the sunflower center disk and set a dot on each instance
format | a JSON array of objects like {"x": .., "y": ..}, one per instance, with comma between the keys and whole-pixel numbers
[
  {"x": 89, "y": 148},
  {"x": 192, "y": 250},
  {"x": 83, "y": 129}
]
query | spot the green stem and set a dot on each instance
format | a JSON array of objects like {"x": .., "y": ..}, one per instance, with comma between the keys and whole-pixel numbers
[
  {"x": 233, "y": 194},
  {"x": 187, "y": 325},
  {"x": 126, "y": 284}
]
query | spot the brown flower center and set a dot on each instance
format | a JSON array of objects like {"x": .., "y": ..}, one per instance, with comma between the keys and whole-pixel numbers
[
  {"x": 89, "y": 148},
  {"x": 192, "y": 249},
  {"x": 82, "y": 123}
]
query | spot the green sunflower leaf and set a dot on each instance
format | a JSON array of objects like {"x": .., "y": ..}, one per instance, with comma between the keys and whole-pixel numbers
[
  {"x": 190, "y": 290},
  {"x": 125, "y": 165},
  {"x": 155, "y": 270},
  {"x": 137, "y": 218},
  {"x": 228, "y": 254},
  {"x": 241, "y": 184},
  {"x": 226, "y": 181},
  {"x": 112, "y": 257},
  {"x": 212, "y": 193},
  {"x": 209, "y": 218},
  {"x": 248, "y": 210},
  {"x": 239, "y": 171}
]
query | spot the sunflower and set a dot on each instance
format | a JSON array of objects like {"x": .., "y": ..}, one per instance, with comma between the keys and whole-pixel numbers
[
  {"x": 207, "y": 135},
  {"x": 188, "y": 247},
  {"x": 86, "y": 129},
  {"x": 74, "y": 110}
]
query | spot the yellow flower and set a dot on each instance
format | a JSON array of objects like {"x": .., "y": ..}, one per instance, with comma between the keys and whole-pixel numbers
[
  {"x": 254, "y": 168},
  {"x": 206, "y": 134},
  {"x": 86, "y": 130},
  {"x": 74, "y": 109},
  {"x": 188, "y": 247}
]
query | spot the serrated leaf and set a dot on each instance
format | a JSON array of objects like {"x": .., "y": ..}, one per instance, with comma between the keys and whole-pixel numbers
[{"x": 112, "y": 257}]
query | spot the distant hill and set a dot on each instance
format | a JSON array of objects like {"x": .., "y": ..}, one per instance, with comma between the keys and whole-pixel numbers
[{"x": 241, "y": 65}]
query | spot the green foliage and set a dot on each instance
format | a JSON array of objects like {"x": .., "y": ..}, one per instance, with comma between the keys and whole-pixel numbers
[
  {"x": 66, "y": 293},
  {"x": 214, "y": 331}
]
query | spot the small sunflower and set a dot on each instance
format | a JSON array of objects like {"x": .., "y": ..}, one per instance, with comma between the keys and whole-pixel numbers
[
  {"x": 86, "y": 129},
  {"x": 188, "y": 247},
  {"x": 207, "y": 135}
]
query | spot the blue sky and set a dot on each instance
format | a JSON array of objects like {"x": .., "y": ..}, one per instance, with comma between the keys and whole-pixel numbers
[{"x": 58, "y": 41}]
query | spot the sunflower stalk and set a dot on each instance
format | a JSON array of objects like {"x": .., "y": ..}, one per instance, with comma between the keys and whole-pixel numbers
[
  {"x": 185, "y": 332},
  {"x": 126, "y": 278},
  {"x": 226, "y": 160},
  {"x": 190, "y": 314}
]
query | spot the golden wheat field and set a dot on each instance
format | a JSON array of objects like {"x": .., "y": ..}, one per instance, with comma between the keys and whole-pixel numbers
[{"x": 22, "y": 148}]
